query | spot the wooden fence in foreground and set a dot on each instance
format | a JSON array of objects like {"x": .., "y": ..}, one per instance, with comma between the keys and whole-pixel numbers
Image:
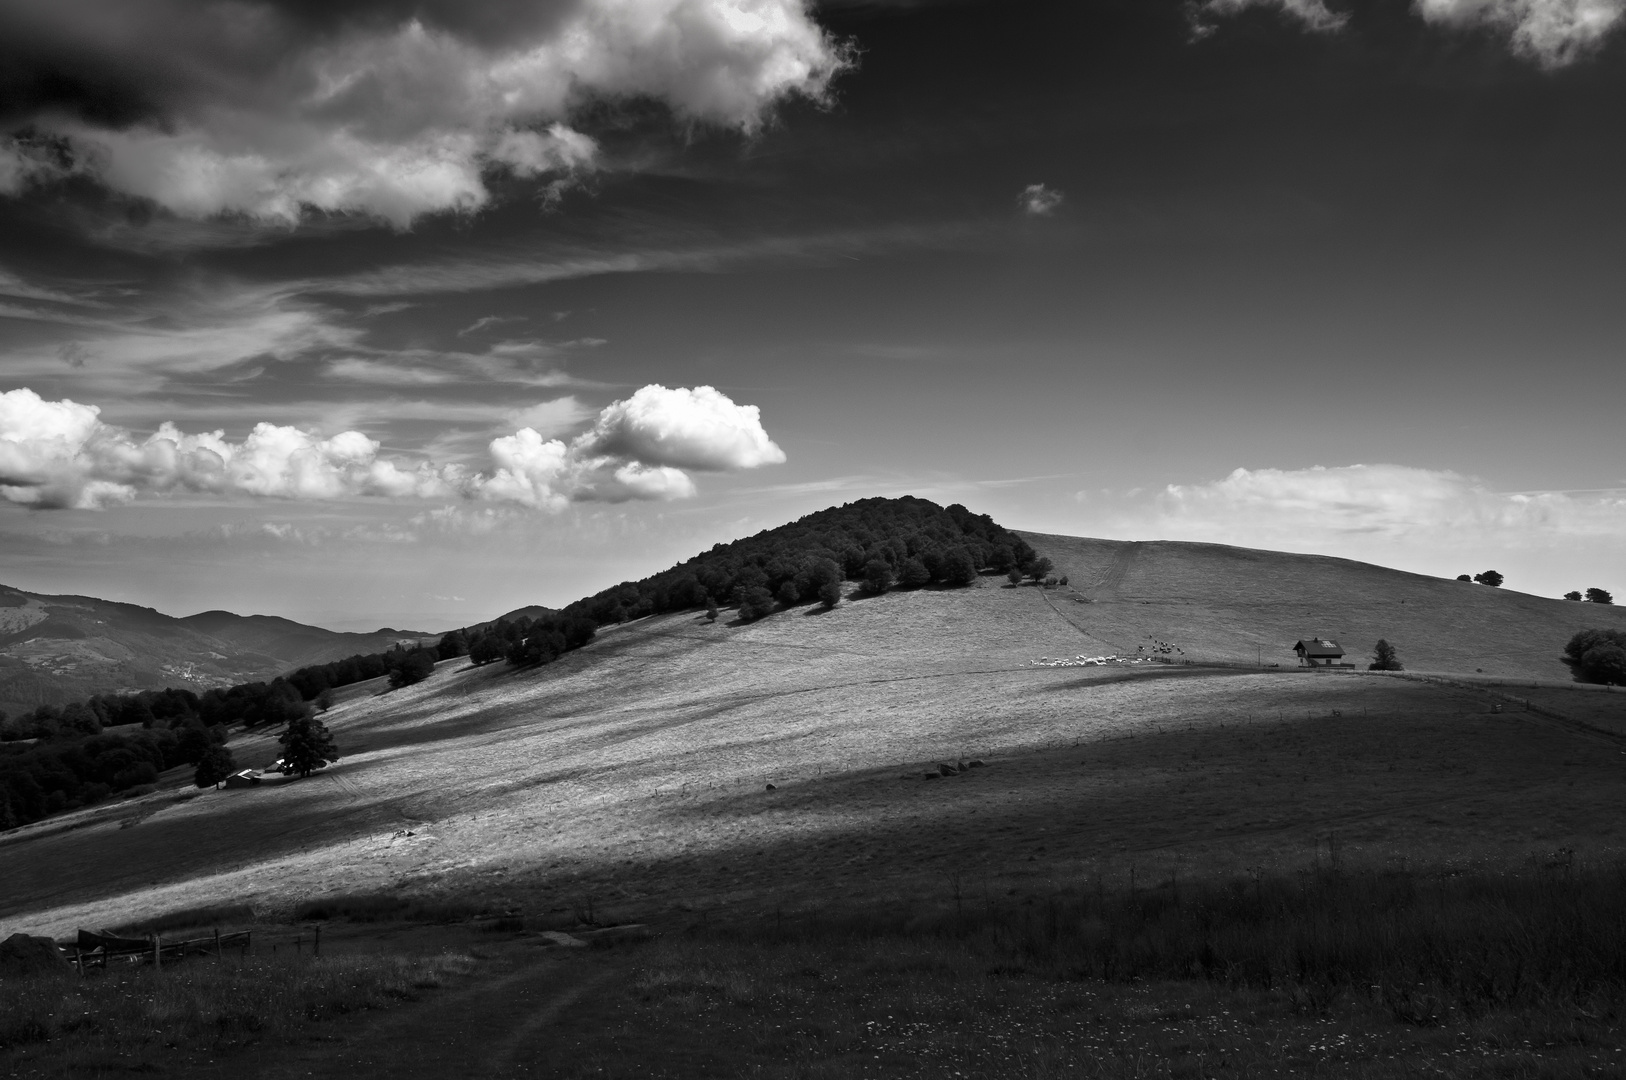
[{"x": 157, "y": 952}]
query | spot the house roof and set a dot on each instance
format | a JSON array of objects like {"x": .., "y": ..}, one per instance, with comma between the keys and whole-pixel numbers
[{"x": 1318, "y": 647}]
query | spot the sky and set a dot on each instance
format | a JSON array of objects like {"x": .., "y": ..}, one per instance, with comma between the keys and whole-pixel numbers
[{"x": 412, "y": 312}]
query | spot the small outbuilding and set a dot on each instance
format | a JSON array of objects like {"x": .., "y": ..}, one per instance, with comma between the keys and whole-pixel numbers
[
  {"x": 245, "y": 778},
  {"x": 1318, "y": 652}
]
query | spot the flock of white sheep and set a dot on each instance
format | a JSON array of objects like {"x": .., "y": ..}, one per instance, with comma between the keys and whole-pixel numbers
[{"x": 1087, "y": 661}]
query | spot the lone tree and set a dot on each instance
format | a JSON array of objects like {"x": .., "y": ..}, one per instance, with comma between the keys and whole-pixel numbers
[
  {"x": 1599, "y": 596},
  {"x": 214, "y": 766},
  {"x": 1572, "y": 595},
  {"x": 1464, "y": 577},
  {"x": 1489, "y": 577},
  {"x": 1039, "y": 568},
  {"x": 1384, "y": 658},
  {"x": 711, "y": 609},
  {"x": 307, "y": 745},
  {"x": 830, "y": 594}
]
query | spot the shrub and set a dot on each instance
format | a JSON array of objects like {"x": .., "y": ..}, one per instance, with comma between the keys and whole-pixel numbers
[
  {"x": 1489, "y": 577},
  {"x": 830, "y": 594},
  {"x": 1014, "y": 575},
  {"x": 1038, "y": 568},
  {"x": 789, "y": 593},
  {"x": 1572, "y": 595},
  {"x": 1599, "y": 596}
]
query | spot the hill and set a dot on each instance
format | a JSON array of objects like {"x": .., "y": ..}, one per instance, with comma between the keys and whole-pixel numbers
[
  {"x": 1241, "y": 605},
  {"x": 674, "y": 765},
  {"x": 56, "y": 649}
]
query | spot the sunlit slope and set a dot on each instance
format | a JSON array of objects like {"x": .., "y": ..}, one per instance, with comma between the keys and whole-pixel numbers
[
  {"x": 1239, "y": 604},
  {"x": 635, "y": 772}
]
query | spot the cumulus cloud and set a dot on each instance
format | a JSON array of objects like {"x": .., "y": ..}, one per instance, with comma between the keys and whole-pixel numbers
[
  {"x": 61, "y": 454},
  {"x": 1039, "y": 200},
  {"x": 1552, "y": 32},
  {"x": 391, "y": 108}
]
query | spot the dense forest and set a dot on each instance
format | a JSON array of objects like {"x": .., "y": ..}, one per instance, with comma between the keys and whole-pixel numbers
[{"x": 53, "y": 759}]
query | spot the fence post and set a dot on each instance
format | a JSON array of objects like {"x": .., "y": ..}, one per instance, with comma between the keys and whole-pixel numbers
[
  {"x": 316, "y": 950},
  {"x": 217, "y": 943},
  {"x": 157, "y": 953},
  {"x": 79, "y": 961}
]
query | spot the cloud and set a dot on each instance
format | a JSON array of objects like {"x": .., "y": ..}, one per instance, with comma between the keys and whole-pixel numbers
[
  {"x": 692, "y": 429},
  {"x": 1038, "y": 200},
  {"x": 390, "y": 108},
  {"x": 1381, "y": 502},
  {"x": 60, "y": 454},
  {"x": 1311, "y": 14},
  {"x": 1551, "y": 32}
]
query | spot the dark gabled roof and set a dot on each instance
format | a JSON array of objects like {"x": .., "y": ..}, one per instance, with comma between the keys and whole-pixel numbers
[{"x": 1318, "y": 647}]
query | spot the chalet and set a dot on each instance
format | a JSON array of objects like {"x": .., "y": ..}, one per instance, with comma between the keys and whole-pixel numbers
[
  {"x": 1318, "y": 652},
  {"x": 245, "y": 778}
]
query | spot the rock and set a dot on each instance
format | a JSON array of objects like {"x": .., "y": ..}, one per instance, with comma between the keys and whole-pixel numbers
[
  {"x": 975, "y": 765},
  {"x": 25, "y": 954},
  {"x": 946, "y": 770},
  {"x": 928, "y": 776},
  {"x": 771, "y": 788},
  {"x": 559, "y": 937}
]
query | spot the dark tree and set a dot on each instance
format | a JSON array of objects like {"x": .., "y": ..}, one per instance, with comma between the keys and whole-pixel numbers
[
  {"x": 830, "y": 594},
  {"x": 1598, "y": 656},
  {"x": 1572, "y": 595},
  {"x": 486, "y": 649},
  {"x": 754, "y": 603},
  {"x": 789, "y": 594},
  {"x": 307, "y": 746},
  {"x": 1489, "y": 577},
  {"x": 956, "y": 567},
  {"x": 711, "y": 609},
  {"x": 214, "y": 766},
  {"x": 877, "y": 576},
  {"x": 913, "y": 574},
  {"x": 414, "y": 667},
  {"x": 324, "y": 701},
  {"x": 1014, "y": 575},
  {"x": 452, "y": 645},
  {"x": 1384, "y": 658},
  {"x": 1464, "y": 577},
  {"x": 1599, "y": 596},
  {"x": 1038, "y": 568}
]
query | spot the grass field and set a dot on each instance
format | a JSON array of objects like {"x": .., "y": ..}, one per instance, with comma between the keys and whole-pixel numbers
[{"x": 631, "y": 780}]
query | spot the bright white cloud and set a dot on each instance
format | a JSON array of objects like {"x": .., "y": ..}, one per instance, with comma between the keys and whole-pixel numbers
[
  {"x": 1553, "y": 32},
  {"x": 264, "y": 112},
  {"x": 691, "y": 429},
  {"x": 60, "y": 454},
  {"x": 1039, "y": 200}
]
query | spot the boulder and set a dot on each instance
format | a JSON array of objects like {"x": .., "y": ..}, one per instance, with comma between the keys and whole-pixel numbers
[
  {"x": 25, "y": 954},
  {"x": 975, "y": 765},
  {"x": 559, "y": 937},
  {"x": 946, "y": 770}
]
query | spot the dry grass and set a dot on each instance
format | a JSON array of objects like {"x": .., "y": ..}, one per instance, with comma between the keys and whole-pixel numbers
[
  {"x": 1237, "y": 604},
  {"x": 633, "y": 774}
]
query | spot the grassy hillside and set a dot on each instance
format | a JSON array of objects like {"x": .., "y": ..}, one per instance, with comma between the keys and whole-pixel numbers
[
  {"x": 634, "y": 774},
  {"x": 1238, "y": 604},
  {"x": 56, "y": 649}
]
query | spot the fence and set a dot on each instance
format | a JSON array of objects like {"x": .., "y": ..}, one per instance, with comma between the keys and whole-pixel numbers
[{"x": 157, "y": 952}]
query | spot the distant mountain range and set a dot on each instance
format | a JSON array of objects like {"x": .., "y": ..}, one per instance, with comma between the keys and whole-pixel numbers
[{"x": 56, "y": 649}]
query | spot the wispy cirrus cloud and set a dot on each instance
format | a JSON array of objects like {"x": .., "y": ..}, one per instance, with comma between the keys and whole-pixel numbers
[{"x": 60, "y": 454}]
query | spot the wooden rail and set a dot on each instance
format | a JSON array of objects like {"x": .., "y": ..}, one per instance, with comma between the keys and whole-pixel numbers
[{"x": 156, "y": 951}]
